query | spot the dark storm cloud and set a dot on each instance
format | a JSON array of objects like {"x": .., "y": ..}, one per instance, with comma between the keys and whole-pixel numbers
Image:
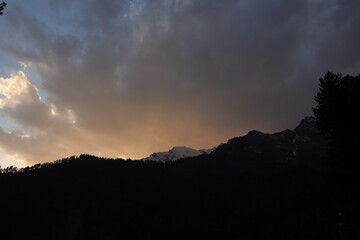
[{"x": 143, "y": 76}]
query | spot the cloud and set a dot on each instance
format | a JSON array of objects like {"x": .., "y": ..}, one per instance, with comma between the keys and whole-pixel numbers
[
  {"x": 143, "y": 76},
  {"x": 15, "y": 90}
]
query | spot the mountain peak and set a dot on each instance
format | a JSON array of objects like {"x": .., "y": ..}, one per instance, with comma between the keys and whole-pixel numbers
[
  {"x": 176, "y": 153},
  {"x": 307, "y": 127},
  {"x": 255, "y": 132},
  {"x": 306, "y": 124}
]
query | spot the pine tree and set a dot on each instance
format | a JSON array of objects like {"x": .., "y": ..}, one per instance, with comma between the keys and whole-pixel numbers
[
  {"x": 338, "y": 117},
  {"x": 2, "y": 6}
]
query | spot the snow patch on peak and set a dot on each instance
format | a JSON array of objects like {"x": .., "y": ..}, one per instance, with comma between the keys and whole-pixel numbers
[
  {"x": 184, "y": 151},
  {"x": 176, "y": 153}
]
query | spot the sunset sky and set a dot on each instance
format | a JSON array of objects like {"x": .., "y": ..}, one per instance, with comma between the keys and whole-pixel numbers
[{"x": 129, "y": 78}]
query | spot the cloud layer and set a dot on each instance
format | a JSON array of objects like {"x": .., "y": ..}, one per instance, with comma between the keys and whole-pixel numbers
[{"x": 127, "y": 78}]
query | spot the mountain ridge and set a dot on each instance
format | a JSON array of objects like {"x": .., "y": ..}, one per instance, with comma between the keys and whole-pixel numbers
[
  {"x": 302, "y": 145},
  {"x": 176, "y": 153}
]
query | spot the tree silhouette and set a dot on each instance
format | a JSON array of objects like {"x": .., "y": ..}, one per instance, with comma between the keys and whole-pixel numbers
[
  {"x": 338, "y": 117},
  {"x": 2, "y": 6}
]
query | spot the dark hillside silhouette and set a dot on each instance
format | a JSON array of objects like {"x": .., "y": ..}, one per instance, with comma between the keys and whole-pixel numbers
[{"x": 253, "y": 187}]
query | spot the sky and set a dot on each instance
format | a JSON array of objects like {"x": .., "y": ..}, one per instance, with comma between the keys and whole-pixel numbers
[{"x": 129, "y": 78}]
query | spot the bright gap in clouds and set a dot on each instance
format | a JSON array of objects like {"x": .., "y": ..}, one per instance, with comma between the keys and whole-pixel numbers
[
  {"x": 8, "y": 124},
  {"x": 7, "y": 160}
]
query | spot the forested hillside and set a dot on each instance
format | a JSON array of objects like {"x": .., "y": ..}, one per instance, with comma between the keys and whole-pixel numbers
[{"x": 249, "y": 188}]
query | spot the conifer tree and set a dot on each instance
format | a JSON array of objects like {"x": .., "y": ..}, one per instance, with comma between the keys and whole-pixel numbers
[
  {"x": 338, "y": 118},
  {"x": 2, "y": 6}
]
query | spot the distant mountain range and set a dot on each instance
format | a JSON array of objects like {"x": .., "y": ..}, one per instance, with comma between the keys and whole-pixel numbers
[{"x": 303, "y": 145}]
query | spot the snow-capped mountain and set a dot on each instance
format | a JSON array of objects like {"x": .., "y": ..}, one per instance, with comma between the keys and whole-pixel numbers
[{"x": 176, "y": 153}]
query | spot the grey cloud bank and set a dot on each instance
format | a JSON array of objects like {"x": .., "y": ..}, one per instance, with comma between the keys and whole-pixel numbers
[{"x": 128, "y": 78}]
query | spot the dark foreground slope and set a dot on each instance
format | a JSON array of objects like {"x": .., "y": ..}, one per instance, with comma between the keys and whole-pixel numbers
[{"x": 260, "y": 186}]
